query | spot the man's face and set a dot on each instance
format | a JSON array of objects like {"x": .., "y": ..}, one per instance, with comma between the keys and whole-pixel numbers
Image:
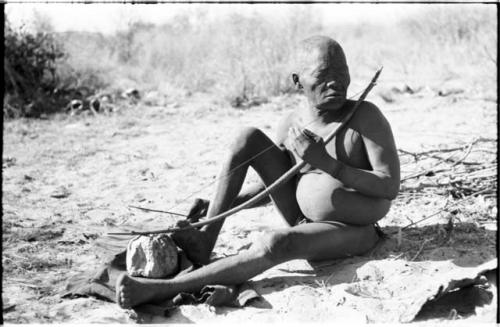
[{"x": 325, "y": 82}]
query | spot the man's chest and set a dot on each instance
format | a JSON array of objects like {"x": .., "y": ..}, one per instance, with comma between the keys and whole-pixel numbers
[{"x": 347, "y": 146}]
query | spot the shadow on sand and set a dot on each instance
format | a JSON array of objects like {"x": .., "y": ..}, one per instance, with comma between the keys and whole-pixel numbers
[{"x": 461, "y": 246}]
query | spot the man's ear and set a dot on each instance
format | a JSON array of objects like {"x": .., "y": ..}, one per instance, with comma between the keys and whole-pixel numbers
[{"x": 296, "y": 82}]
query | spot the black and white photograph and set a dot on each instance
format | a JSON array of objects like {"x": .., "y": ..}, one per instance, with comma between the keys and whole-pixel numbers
[{"x": 250, "y": 162}]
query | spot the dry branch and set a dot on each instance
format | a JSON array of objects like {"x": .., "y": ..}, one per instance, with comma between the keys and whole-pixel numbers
[
  {"x": 445, "y": 207},
  {"x": 469, "y": 149},
  {"x": 456, "y": 177},
  {"x": 155, "y": 210},
  {"x": 477, "y": 140},
  {"x": 419, "y": 250}
]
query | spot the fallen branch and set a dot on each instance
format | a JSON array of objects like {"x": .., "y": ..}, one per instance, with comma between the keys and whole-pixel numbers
[
  {"x": 487, "y": 176},
  {"x": 425, "y": 172},
  {"x": 24, "y": 283},
  {"x": 155, "y": 210},
  {"x": 416, "y": 155},
  {"x": 445, "y": 207},
  {"x": 477, "y": 140},
  {"x": 469, "y": 149},
  {"x": 419, "y": 250}
]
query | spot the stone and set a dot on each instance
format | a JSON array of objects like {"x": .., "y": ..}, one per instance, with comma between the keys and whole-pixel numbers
[
  {"x": 95, "y": 104},
  {"x": 153, "y": 256},
  {"x": 76, "y": 104},
  {"x": 133, "y": 93}
]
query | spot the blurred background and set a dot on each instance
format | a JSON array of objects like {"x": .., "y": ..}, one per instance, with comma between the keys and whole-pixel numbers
[{"x": 56, "y": 52}]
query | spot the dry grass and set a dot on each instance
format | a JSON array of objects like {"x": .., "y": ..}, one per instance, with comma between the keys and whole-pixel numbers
[
  {"x": 249, "y": 55},
  {"x": 152, "y": 156}
]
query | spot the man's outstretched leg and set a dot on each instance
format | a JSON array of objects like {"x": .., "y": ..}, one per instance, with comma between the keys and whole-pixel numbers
[
  {"x": 252, "y": 148},
  {"x": 314, "y": 241}
]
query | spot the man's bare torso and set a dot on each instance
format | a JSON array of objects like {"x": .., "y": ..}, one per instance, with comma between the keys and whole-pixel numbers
[{"x": 316, "y": 189}]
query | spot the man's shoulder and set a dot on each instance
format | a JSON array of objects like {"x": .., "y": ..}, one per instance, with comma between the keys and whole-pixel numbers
[
  {"x": 283, "y": 125},
  {"x": 286, "y": 120},
  {"x": 367, "y": 110},
  {"x": 368, "y": 115}
]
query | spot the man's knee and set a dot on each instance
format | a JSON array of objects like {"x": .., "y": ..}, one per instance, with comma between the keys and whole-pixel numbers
[
  {"x": 280, "y": 246},
  {"x": 247, "y": 140}
]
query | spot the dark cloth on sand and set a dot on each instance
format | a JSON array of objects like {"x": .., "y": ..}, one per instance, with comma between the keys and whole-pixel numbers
[{"x": 101, "y": 285}]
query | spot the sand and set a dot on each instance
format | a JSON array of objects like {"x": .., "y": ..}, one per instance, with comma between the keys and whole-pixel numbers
[{"x": 68, "y": 180}]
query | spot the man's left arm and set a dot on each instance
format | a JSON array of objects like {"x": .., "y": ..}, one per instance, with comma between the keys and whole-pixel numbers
[{"x": 384, "y": 178}]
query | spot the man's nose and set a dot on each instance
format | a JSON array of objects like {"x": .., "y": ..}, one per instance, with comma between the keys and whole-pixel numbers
[{"x": 331, "y": 84}]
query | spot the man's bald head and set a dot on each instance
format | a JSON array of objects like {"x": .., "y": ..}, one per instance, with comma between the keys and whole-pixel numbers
[
  {"x": 322, "y": 50},
  {"x": 321, "y": 72}
]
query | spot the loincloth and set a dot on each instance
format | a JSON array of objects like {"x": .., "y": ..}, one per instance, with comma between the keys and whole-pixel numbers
[{"x": 304, "y": 220}]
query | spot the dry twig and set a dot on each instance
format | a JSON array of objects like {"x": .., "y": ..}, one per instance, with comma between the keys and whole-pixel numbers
[
  {"x": 155, "y": 210},
  {"x": 419, "y": 250}
]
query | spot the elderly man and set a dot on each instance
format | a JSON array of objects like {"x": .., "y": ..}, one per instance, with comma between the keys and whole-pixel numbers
[{"x": 330, "y": 207}]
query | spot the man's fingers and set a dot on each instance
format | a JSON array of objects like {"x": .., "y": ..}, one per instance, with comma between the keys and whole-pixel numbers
[
  {"x": 303, "y": 135},
  {"x": 293, "y": 132},
  {"x": 312, "y": 136},
  {"x": 295, "y": 149},
  {"x": 309, "y": 134},
  {"x": 197, "y": 210},
  {"x": 297, "y": 134}
]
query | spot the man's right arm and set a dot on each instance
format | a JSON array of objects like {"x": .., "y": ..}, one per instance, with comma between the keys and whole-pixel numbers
[{"x": 282, "y": 131}]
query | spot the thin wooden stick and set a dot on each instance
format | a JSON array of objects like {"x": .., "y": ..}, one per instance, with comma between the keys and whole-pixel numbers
[
  {"x": 419, "y": 250},
  {"x": 477, "y": 140},
  {"x": 284, "y": 178},
  {"x": 155, "y": 210},
  {"x": 447, "y": 159},
  {"x": 425, "y": 172},
  {"x": 469, "y": 149}
]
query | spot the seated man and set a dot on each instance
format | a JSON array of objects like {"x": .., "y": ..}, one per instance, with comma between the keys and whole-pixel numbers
[{"x": 330, "y": 207}]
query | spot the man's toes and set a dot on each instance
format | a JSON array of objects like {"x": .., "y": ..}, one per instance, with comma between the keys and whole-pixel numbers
[
  {"x": 122, "y": 291},
  {"x": 125, "y": 298}
]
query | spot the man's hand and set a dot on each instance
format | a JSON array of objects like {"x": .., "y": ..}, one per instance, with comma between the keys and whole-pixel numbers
[
  {"x": 193, "y": 242},
  {"x": 198, "y": 210},
  {"x": 308, "y": 146}
]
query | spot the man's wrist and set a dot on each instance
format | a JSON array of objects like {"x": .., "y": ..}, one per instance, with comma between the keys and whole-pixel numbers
[{"x": 337, "y": 169}]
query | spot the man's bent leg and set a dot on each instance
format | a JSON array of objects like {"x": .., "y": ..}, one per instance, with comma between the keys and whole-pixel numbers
[
  {"x": 314, "y": 241},
  {"x": 252, "y": 148},
  {"x": 321, "y": 241}
]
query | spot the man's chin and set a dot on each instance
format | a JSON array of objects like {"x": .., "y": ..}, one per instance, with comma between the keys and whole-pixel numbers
[{"x": 331, "y": 105}]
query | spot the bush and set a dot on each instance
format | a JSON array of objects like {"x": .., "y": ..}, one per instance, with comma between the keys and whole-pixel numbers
[
  {"x": 240, "y": 57},
  {"x": 30, "y": 62},
  {"x": 455, "y": 41}
]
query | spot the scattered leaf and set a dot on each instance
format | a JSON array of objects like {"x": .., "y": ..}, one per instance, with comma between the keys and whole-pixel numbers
[{"x": 60, "y": 193}]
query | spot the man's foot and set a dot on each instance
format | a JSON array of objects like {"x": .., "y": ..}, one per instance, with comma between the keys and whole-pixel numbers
[
  {"x": 194, "y": 243},
  {"x": 131, "y": 292}
]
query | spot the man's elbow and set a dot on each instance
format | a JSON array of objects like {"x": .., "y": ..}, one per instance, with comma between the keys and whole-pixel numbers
[
  {"x": 391, "y": 191},
  {"x": 390, "y": 188}
]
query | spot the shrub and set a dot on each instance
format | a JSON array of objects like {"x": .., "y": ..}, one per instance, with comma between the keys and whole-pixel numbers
[{"x": 30, "y": 62}]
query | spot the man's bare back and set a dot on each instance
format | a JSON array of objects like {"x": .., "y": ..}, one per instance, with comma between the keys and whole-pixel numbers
[{"x": 346, "y": 187}]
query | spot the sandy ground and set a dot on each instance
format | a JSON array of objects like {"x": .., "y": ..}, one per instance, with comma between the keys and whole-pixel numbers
[{"x": 68, "y": 180}]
